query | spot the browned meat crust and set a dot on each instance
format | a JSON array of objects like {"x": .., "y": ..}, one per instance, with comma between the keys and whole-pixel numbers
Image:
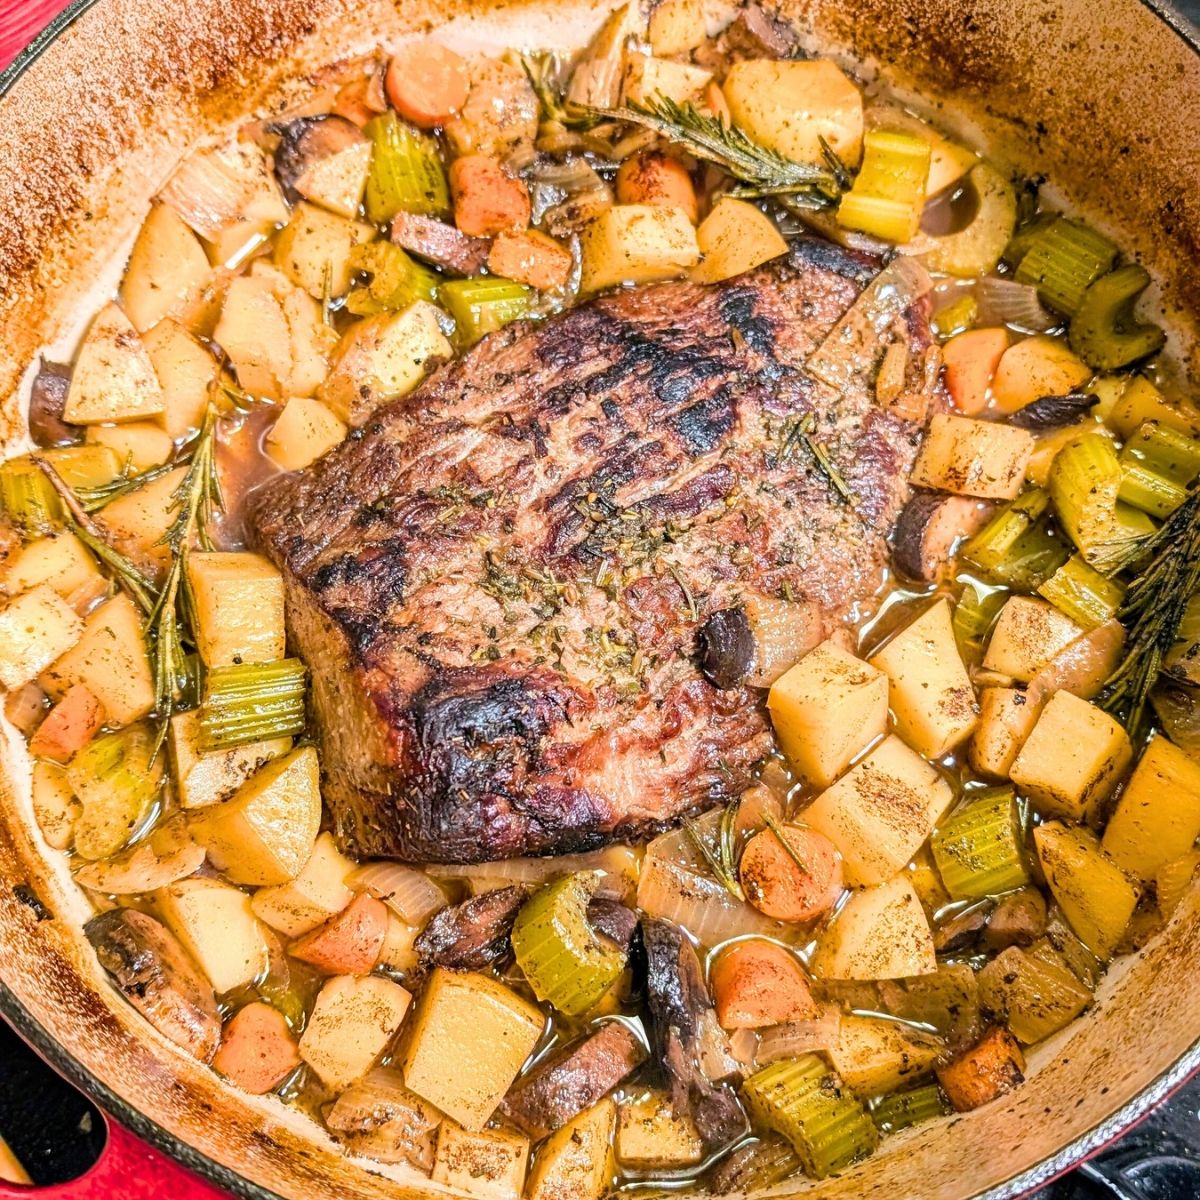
[{"x": 498, "y": 581}]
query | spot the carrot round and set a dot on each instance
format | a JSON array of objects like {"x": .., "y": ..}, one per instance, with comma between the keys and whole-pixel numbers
[
  {"x": 426, "y": 83},
  {"x": 970, "y": 360},
  {"x": 776, "y": 884},
  {"x": 655, "y": 178},
  {"x": 757, "y": 983},
  {"x": 350, "y": 942},
  {"x": 69, "y": 726},
  {"x": 257, "y": 1051}
]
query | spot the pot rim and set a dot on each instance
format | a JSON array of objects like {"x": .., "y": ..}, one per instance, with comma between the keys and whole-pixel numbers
[{"x": 74, "y": 1071}]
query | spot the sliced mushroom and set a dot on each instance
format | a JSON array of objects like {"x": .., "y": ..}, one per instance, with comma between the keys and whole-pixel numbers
[
  {"x": 472, "y": 935},
  {"x": 307, "y": 141},
  {"x": 153, "y": 972},
  {"x": 613, "y": 920},
  {"x": 754, "y": 33},
  {"x": 47, "y": 398},
  {"x": 440, "y": 244},
  {"x": 757, "y": 641},
  {"x": 1018, "y": 919},
  {"x": 726, "y": 645},
  {"x": 962, "y": 930},
  {"x": 1049, "y": 412},
  {"x": 380, "y": 1118},
  {"x": 927, "y": 529}
]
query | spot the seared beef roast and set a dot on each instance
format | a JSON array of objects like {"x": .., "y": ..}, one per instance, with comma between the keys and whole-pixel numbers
[{"x": 498, "y": 582}]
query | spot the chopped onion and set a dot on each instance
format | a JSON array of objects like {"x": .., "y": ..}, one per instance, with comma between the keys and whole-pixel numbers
[
  {"x": 618, "y": 866},
  {"x": 1006, "y": 302},
  {"x": 717, "y": 1059},
  {"x": 412, "y": 895},
  {"x": 163, "y": 858},
  {"x": 25, "y": 707},
  {"x": 380, "y": 1118},
  {"x": 1083, "y": 666},
  {"x": 800, "y": 1037},
  {"x": 213, "y": 190},
  {"x": 743, "y": 1045}
]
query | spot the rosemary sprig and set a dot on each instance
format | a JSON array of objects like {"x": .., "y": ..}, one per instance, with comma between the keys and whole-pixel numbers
[
  {"x": 762, "y": 171},
  {"x": 803, "y": 430},
  {"x": 776, "y": 828},
  {"x": 95, "y": 498},
  {"x": 722, "y": 862},
  {"x": 1153, "y": 610},
  {"x": 689, "y": 598}
]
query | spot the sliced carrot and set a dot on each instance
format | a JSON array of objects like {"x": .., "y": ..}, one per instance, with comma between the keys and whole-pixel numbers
[
  {"x": 350, "y": 942},
  {"x": 715, "y": 102},
  {"x": 971, "y": 360},
  {"x": 426, "y": 83},
  {"x": 530, "y": 257},
  {"x": 993, "y": 1066},
  {"x": 257, "y": 1051},
  {"x": 757, "y": 983},
  {"x": 655, "y": 178},
  {"x": 778, "y": 886},
  {"x": 486, "y": 200},
  {"x": 69, "y": 725}
]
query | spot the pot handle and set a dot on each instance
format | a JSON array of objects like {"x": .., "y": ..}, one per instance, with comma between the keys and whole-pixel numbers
[{"x": 127, "y": 1169}]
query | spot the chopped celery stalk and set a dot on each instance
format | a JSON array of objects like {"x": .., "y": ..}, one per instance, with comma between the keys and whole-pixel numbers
[
  {"x": 976, "y": 611},
  {"x": 888, "y": 195},
  {"x": 252, "y": 702},
  {"x": 979, "y": 848},
  {"x": 1085, "y": 479},
  {"x": 1080, "y": 591},
  {"x": 899, "y": 1110},
  {"x": 996, "y": 539},
  {"x": 564, "y": 961},
  {"x": 1063, "y": 260},
  {"x": 1033, "y": 991},
  {"x": 1016, "y": 548},
  {"x": 406, "y": 172},
  {"x": 955, "y": 318},
  {"x": 29, "y": 498},
  {"x": 115, "y": 779},
  {"x": 804, "y": 1101},
  {"x": 395, "y": 280},
  {"x": 1027, "y": 233},
  {"x": 1104, "y": 332},
  {"x": 1149, "y": 491},
  {"x": 481, "y": 306},
  {"x": 1165, "y": 451}
]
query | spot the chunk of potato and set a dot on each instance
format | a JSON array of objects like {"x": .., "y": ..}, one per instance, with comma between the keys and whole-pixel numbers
[
  {"x": 880, "y": 811},
  {"x": 266, "y": 832},
  {"x": 874, "y": 1055},
  {"x": 313, "y": 249},
  {"x": 973, "y": 458},
  {"x": 351, "y": 1024},
  {"x": 1006, "y": 718},
  {"x": 337, "y": 181},
  {"x": 1027, "y": 635},
  {"x": 202, "y": 779},
  {"x": 469, "y": 1040},
  {"x": 381, "y": 358},
  {"x": 214, "y": 922},
  {"x": 489, "y": 1163},
  {"x": 1033, "y": 367},
  {"x": 113, "y": 378},
  {"x": 59, "y": 560},
  {"x": 185, "y": 371},
  {"x": 239, "y": 607},
  {"x": 880, "y": 933},
  {"x": 305, "y": 430},
  {"x": 1073, "y": 759},
  {"x": 138, "y": 519},
  {"x": 317, "y": 893},
  {"x": 677, "y": 27},
  {"x": 928, "y": 687},
  {"x": 1157, "y": 818},
  {"x": 1095, "y": 895},
  {"x": 792, "y": 105},
  {"x": 826, "y": 709},
  {"x": 647, "y": 77},
  {"x": 636, "y": 243},
  {"x": 576, "y": 1161},
  {"x": 141, "y": 444},
  {"x": 110, "y": 660},
  {"x": 735, "y": 237},
  {"x": 36, "y": 628},
  {"x": 167, "y": 268},
  {"x": 55, "y": 807},
  {"x": 651, "y": 1137}
]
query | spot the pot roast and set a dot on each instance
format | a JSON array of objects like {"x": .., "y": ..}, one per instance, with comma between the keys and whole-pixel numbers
[{"x": 499, "y": 582}]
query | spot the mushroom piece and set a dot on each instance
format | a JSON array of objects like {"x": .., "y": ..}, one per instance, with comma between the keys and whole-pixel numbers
[
  {"x": 961, "y": 930},
  {"x": 440, "y": 244},
  {"x": 726, "y": 645},
  {"x": 474, "y": 934},
  {"x": 1018, "y": 919},
  {"x": 755, "y": 642},
  {"x": 380, "y": 1118},
  {"x": 307, "y": 141},
  {"x": 47, "y": 398},
  {"x": 613, "y": 920},
  {"x": 1050, "y": 412},
  {"x": 153, "y": 972},
  {"x": 927, "y": 529}
]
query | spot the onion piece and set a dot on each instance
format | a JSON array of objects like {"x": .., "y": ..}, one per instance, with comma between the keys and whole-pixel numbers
[
  {"x": 163, "y": 858},
  {"x": 800, "y": 1037},
  {"x": 743, "y": 1045},
  {"x": 618, "y": 865},
  {"x": 411, "y": 895},
  {"x": 1007, "y": 302},
  {"x": 213, "y": 190},
  {"x": 380, "y": 1118}
]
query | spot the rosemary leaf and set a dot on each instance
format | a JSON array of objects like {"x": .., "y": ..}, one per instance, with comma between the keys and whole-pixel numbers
[
  {"x": 95, "y": 498},
  {"x": 777, "y": 829},
  {"x": 803, "y": 430},
  {"x": 689, "y": 598},
  {"x": 722, "y": 871}
]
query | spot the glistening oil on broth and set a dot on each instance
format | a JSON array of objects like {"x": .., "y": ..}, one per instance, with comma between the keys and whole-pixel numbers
[{"x": 912, "y": 890}]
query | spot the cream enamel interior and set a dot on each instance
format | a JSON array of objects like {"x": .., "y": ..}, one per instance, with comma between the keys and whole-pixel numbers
[{"x": 83, "y": 148}]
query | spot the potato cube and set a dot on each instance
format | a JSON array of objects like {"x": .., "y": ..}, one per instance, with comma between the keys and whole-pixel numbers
[
  {"x": 351, "y": 1025},
  {"x": 381, "y": 358},
  {"x": 140, "y": 444},
  {"x": 266, "y": 832},
  {"x": 973, "y": 458},
  {"x": 826, "y": 709},
  {"x": 214, "y": 922},
  {"x": 167, "y": 267},
  {"x": 677, "y": 27},
  {"x": 735, "y": 237},
  {"x": 470, "y": 1038},
  {"x": 928, "y": 687},
  {"x": 1095, "y": 895},
  {"x": 337, "y": 181},
  {"x": 113, "y": 379},
  {"x": 792, "y": 105},
  {"x": 1027, "y": 635},
  {"x": 239, "y": 608},
  {"x": 1157, "y": 818},
  {"x": 647, "y": 77},
  {"x": 110, "y": 661},
  {"x": 1072, "y": 760},
  {"x": 874, "y": 1055},
  {"x": 490, "y": 1163},
  {"x": 203, "y": 779},
  {"x": 1006, "y": 718},
  {"x": 636, "y": 243},
  {"x": 880, "y": 811},
  {"x": 36, "y": 628},
  {"x": 576, "y": 1161},
  {"x": 880, "y": 933},
  {"x": 138, "y": 519},
  {"x": 650, "y": 1138},
  {"x": 1033, "y": 367},
  {"x": 313, "y": 249},
  {"x": 55, "y": 807},
  {"x": 316, "y": 894},
  {"x": 304, "y": 431},
  {"x": 59, "y": 560},
  {"x": 185, "y": 371}
]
